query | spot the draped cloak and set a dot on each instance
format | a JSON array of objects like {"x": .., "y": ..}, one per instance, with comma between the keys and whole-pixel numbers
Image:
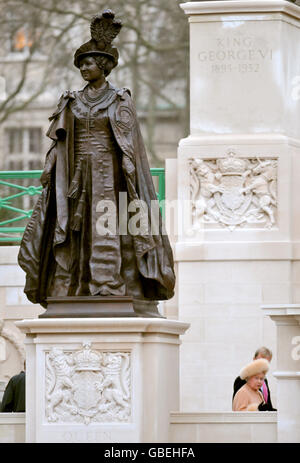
[{"x": 49, "y": 226}]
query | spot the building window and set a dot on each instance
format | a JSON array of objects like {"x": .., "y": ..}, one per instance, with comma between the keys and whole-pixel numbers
[
  {"x": 24, "y": 148},
  {"x": 35, "y": 140},
  {"x": 15, "y": 141},
  {"x": 23, "y": 151}
]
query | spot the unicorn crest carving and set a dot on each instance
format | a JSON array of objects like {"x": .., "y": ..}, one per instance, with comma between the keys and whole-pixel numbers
[
  {"x": 234, "y": 191},
  {"x": 87, "y": 386}
]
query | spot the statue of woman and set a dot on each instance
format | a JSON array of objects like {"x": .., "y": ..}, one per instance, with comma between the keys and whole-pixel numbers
[{"x": 97, "y": 153}]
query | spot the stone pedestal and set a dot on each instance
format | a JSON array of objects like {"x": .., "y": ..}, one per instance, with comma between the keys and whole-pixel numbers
[
  {"x": 89, "y": 306},
  {"x": 287, "y": 319},
  {"x": 238, "y": 235},
  {"x": 101, "y": 380}
]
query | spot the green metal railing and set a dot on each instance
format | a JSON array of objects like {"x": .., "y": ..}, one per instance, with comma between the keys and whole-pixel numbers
[
  {"x": 161, "y": 194},
  {"x": 160, "y": 173},
  {"x": 12, "y": 213}
]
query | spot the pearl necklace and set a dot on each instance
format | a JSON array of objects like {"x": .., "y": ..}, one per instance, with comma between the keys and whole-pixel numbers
[{"x": 92, "y": 99}]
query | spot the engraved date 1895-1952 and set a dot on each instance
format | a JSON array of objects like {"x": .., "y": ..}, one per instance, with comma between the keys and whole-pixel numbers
[{"x": 243, "y": 68}]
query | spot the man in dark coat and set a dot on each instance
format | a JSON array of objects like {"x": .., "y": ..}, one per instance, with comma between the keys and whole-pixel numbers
[
  {"x": 14, "y": 395},
  {"x": 265, "y": 353}
]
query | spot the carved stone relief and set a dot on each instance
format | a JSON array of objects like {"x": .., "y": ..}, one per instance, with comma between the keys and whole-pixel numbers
[
  {"x": 87, "y": 386},
  {"x": 233, "y": 191}
]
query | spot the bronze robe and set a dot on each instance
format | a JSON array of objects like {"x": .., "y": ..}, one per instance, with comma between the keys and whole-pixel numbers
[{"x": 47, "y": 240}]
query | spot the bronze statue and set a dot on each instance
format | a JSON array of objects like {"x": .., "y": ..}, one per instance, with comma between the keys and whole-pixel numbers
[{"x": 97, "y": 153}]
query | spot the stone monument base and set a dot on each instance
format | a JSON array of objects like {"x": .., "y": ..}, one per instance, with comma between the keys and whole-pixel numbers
[
  {"x": 99, "y": 306},
  {"x": 89, "y": 306},
  {"x": 108, "y": 380}
]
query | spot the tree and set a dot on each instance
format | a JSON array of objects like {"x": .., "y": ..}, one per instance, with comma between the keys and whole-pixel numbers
[{"x": 153, "y": 46}]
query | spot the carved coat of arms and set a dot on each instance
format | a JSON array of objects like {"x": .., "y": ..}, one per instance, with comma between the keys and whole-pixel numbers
[
  {"x": 87, "y": 386},
  {"x": 233, "y": 191}
]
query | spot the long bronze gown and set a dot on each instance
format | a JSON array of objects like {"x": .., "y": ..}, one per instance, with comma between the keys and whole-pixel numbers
[{"x": 101, "y": 264}]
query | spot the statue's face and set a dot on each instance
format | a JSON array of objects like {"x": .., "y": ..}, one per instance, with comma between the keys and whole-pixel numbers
[{"x": 89, "y": 69}]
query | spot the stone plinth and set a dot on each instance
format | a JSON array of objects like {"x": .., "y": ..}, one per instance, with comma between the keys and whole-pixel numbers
[
  {"x": 238, "y": 242},
  {"x": 12, "y": 428},
  {"x": 101, "y": 380},
  {"x": 244, "y": 137},
  {"x": 287, "y": 319},
  {"x": 224, "y": 427},
  {"x": 243, "y": 70},
  {"x": 89, "y": 306}
]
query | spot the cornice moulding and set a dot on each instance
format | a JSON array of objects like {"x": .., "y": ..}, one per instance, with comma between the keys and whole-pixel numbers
[
  {"x": 241, "y": 6},
  {"x": 287, "y": 374}
]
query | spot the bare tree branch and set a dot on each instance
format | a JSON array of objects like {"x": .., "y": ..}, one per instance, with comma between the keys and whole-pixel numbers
[{"x": 153, "y": 46}]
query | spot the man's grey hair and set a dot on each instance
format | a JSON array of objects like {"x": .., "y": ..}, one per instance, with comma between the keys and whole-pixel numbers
[{"x": 264, "y": 351}]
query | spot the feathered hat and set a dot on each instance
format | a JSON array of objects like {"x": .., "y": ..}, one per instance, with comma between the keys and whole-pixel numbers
[
  {"x": 104, "y": 28},
  {"x": 254, "y": 368}
]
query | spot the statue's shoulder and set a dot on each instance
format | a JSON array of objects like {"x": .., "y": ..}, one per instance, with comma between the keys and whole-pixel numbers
[
  {"x": 62, "y": 103},
  {"x": 122, "y": 93},
  {"x": 124, "y": 116},
  {"x": 125, "y": 100}
]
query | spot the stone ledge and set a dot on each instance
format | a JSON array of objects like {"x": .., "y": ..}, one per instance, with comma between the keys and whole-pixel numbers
[
  {"x": 12, "y": 418},
  {"x": 223, "y": 417},
  {"x": 281, "y": 309},
  {"x": 223, "y": 427},
  {"x": 103, "y": 325},
  {"x": 287, "y": 374},
  {"x": 239, "y": 139},
  {"x": 283, "y": 314}
]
